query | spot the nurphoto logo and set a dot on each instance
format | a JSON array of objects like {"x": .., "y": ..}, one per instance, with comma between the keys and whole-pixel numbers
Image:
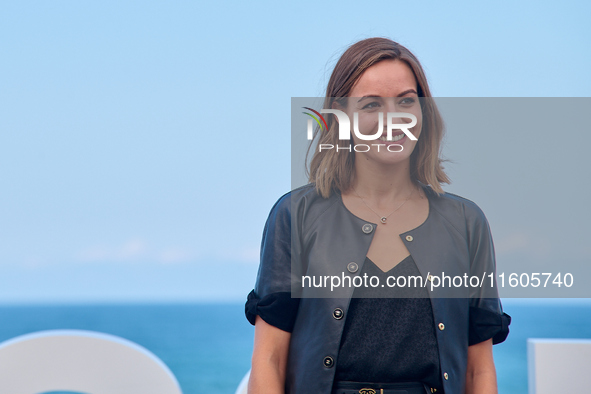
[{"x": 344, "y": 125}]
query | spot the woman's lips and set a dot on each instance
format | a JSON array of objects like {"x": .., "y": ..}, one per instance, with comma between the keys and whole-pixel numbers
[{"x": 394, "y": 135}]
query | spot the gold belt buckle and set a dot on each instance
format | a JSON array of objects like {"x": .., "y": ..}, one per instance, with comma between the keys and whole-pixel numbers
[{"x": 370, "y": 391}]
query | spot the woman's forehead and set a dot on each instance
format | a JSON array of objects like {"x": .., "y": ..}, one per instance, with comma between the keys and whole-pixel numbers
[{"x": 388, "y": 78}]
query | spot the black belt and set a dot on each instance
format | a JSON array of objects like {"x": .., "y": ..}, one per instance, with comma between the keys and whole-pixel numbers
[{"x": 379, "y": 388}]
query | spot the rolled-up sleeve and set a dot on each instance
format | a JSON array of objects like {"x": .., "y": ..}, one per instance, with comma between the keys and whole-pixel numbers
[
  {"x": 271, "y": 298},
  {"x": 485, "y": 324},
  {"x": 277, "y": 309}
]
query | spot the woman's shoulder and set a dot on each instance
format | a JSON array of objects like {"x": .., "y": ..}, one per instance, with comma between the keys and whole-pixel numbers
[
  {"x": 455, "y": 207},
  {"x": 305, "y": 196}
]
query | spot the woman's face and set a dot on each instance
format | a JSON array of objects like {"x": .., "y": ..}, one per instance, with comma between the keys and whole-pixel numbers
[{"x": 387, "y": 86}]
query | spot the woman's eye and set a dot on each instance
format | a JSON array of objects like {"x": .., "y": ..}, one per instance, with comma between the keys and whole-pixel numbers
[
  {"x": 408, "y": 101},
  {"x": 371, "y": 105}
]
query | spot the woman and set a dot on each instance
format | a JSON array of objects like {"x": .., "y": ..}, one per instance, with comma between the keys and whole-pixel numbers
[{"x": 372, "y": 213}]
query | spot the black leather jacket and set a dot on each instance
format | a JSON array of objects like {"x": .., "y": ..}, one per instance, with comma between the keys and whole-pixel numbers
[{"x": 306, "y": 234}]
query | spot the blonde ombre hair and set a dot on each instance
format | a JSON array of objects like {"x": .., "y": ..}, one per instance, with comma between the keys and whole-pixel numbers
[{"x": 331, "y": 170}]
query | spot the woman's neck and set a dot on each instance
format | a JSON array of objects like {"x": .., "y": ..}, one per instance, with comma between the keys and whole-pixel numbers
[{"x": 382, "y": 183}]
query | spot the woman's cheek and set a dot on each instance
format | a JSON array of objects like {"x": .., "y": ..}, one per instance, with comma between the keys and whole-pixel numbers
[{"x": 368, "y": 124}]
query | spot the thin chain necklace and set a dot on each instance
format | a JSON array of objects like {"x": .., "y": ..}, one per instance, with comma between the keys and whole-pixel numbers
[{"x": 384, "y": 218}]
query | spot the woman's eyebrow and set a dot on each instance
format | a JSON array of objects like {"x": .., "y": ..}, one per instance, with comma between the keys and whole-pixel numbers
[
  {"x": 407, "y": 91},
  {"x": 370, "y": 96}
]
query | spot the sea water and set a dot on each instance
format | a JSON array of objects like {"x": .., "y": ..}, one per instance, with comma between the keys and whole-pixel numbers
[{"x": 208, "y": 346}]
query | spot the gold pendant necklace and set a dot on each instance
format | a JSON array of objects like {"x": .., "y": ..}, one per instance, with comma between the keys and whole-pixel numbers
[{"x": 383, "y": 219}]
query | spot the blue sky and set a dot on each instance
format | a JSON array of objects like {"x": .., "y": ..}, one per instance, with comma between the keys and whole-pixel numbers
[{"x": 142, "y": 144}]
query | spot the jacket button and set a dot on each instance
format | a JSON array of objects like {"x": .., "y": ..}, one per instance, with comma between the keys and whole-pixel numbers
[
  {"x": 433, "y": 390},
  {"x": 409, "y": 238},
  {"x": 328, "y": 362},
  {"x": 367, "y": 228},
  {"x": 430, "y": 277},
  {"x": 352, "y": 267},
  {"x": 338, "y": 314},
  {"x": 441, "y": 326},
  {"x": 445, "y": 376}
]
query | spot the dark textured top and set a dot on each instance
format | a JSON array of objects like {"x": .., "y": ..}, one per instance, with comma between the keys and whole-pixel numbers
[{"x": 391, "y": 339}]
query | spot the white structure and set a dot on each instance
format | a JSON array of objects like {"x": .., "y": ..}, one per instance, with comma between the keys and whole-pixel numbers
[
  {"x": 81, "y": 361},
  {"x": 558, "y": 365},
  {"x": 243, "y": 386}
]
